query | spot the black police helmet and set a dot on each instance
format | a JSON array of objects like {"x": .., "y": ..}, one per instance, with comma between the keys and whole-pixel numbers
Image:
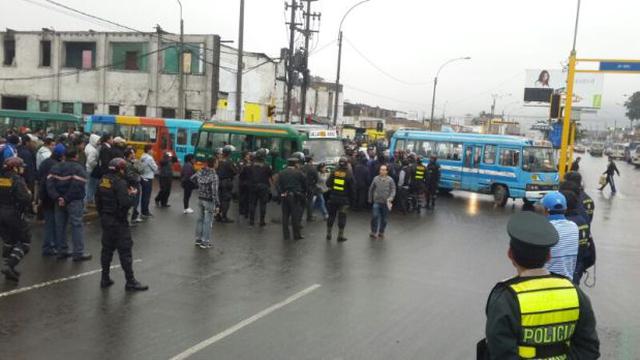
[
  {"x": 261, "y": 154},
  {"x": 298, "y": 155},
  {"x": 228, "y": 149}
]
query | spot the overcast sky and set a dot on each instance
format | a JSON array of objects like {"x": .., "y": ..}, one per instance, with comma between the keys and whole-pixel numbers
[{"x": 393, "y": 48}]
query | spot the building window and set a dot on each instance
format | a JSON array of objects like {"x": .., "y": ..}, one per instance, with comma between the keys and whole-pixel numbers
[
  {"x": 9, "y": 52},
  {"x": 44, "y": 106},
  {"x": 88, "y": 109},
  {"x": 129, "y": 56},
  {"x": 192, "y": 57},
  {"x": 141, "y": 110},
  {"x": 169, "y": 113},
  {"x": 114, "y": 110},
  {"x": 14, "y": 102},
  {"x": 188, "y": 114},
  {"x": 45, "y": 53},
  {"x": 67, "y": 108},
  {"x": 80, "y": 55}
]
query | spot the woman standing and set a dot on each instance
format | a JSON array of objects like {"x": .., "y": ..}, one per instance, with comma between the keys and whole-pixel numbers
[
  {"x": 321, "y": 189},
  {"x": 187, "y": 185},
  {"x": 164, "y": 177}
]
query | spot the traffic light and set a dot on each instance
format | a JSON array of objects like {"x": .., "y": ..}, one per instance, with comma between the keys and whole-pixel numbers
[{"x": 554, "y": 108}]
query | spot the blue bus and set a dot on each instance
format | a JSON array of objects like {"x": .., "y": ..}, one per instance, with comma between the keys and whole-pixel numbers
[
  {"x": 502, "y": 166},
  {"x": 184, "y": 136}
]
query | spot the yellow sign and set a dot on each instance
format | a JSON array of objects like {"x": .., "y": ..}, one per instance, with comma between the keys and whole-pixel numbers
[{"x": 6, "y": 182}]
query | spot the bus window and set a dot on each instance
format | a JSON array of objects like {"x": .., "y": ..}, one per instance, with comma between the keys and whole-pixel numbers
[
  {"x": 194, "y": 138},
  {"x": 425, "y": 148},
  {"x": 164, "y": 142},
  {"x": 400, "y": 145},
  {"x": 468, "y": 153},
  {"x": 238, "y": 141},
  {"x": 509, "y": 157},
  {"x": 490, "y": 154},
  {"x": 212, "y": 140},
  {"x": 448, "y": 151},
  {"x": 411, "y": 146},
  {"x": 287, "y": 149},
  {"x": 182, "y": 137},
  {"x": 264, "y": 142}
]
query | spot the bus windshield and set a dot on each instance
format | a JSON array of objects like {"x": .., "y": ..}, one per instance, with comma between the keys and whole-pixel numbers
[
  {"x": 539, "y": 159},
  {"x": 327, "y": 151}
]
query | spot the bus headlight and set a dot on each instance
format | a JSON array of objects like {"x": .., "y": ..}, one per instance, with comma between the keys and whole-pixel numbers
[{"x": 533, "y": 187}]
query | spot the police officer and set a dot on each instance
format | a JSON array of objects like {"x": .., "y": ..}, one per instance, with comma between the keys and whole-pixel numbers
[
  {"x": 15, "y": 198},
  {"x": 537, "y": 314},
  {"x": 244, "y": 179},
  {"x": 573, "y": 180},
  {"x": 311, "y": 173},
  {"x": 404, "y": 183},
  {"x": 433, "y": 179},
  {"x": 418, "y": 181},
  {"x": 586, "y": 247},
  {"x": 114, "y": 197},
  {"x": 341, "y": 193},
  {"x": 259, "y": 186},
  {"x": 292, "y": 187},
  {"x": 226, "y": 172}
]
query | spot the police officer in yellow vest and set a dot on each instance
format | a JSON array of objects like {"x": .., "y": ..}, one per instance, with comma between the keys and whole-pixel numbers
[
  {"x": 341, "y": 194},
  {"x": 537, "y": 314},
  {"x": 419, "y": 181}
]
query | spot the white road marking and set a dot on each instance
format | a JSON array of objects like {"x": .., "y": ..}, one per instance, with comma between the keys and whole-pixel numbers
[
  {"x": 214, "y": 339},
  {"x": 57, "y": 281}
]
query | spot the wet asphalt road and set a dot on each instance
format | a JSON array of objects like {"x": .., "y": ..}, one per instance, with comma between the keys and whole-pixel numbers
[{"x": 418, "y": 294}]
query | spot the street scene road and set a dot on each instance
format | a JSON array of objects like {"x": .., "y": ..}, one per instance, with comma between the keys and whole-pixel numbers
[{"x": 418, "y": 294}]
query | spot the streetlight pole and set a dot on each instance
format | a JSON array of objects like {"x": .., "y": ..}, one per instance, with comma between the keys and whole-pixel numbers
[
  {"x": 181, "y": 112},
  {"x": 435, "y": 85},
  {"x": 337, "y": 93}
]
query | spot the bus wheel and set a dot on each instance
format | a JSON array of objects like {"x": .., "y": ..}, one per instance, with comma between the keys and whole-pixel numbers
[{"x": 500, "y": 195}]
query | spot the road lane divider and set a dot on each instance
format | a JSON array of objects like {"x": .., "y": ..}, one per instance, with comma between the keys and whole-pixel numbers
[
  {"x": 246, "y": 322},
  {"x": 57, "y": 281}
]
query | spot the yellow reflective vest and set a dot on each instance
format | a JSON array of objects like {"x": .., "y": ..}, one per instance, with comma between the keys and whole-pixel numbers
[
  {"x": 549, "y": 311},
  {"x": 339, "y": 181},
  {"x": 420, "y": 171}
]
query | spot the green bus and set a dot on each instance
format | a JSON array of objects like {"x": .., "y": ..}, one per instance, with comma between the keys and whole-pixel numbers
[
  {"x": 281, "y": 140},
  {"x": 49, "y": 123}
]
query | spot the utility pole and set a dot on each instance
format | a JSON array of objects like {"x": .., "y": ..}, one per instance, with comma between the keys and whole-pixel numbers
[
  {"x": 240, "y": 68},
  {"x": 181, "y": 110},
  {"x": 305, "y": 73},
  {"x": 290, "y": 65}
]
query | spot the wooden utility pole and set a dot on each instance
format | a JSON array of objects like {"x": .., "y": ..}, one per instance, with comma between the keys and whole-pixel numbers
[
  {"x": 290, "y": 65},
  {"x": 305, "y": 73}
]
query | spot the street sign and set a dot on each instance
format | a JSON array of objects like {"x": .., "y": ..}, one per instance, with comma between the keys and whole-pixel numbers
[{"x": 619, "y": 66}]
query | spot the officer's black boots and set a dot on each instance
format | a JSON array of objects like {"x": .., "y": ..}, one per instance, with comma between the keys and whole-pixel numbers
[
  {"x": 134, "y": 285},
  {"x": 10, "y": 273},
  {"x": 341, "y": 237},
  {"x": 106, "y": 282}
]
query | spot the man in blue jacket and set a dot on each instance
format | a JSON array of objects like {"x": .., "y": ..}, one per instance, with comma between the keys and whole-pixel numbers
[{"x": 66, "y": 187}]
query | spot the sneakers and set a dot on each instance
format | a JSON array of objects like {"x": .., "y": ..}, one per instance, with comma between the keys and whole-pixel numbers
[
  {"x": 204, "y": 245},
  {"x": 11, "y": 274},
  {"x": 82, "y": 257},
  {"x": 135, "y": 286},
  {"x": 105, "y": 283},
  {"x": 373, "y": 236},
  {"x": 188, "y": 211},
  {"x": 198, "y": 242},
  {"x": 138, "y": 220}
]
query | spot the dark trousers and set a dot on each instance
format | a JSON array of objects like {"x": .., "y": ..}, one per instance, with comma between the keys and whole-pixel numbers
[
  {"x": 224, "y": 194},
  {"x": 309, "y": 205},
  {"x": 291, "y": 213},
  {"x": 609, "y": 182},
  {"x": 431, "y": 194},
  {"x": 402, "y": 199},
  {"x": 134, "y": 210},
  {"x": 186, "y": 196},
  {"x": 244, "y": 200},
  {"x": 147, "y": 188},
  {"x": 165, "y": 191},
  {"x": 14, "y": 231},
  {"x": 258, "y": 196},
  {"x": 362, "y": 194},
  {"x": 339, "y": 211},
  {"x": 116, "y": 237}
]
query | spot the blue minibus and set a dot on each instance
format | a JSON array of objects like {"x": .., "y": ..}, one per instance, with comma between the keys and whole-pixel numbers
[{"x": 499, "y": 165}]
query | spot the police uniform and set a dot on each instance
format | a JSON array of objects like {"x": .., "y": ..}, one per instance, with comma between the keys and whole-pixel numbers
[
  {"x": 341, "y": 193},
  {"x": 538, "y": 317},
  {"x": 418, "y": 181},
  {"x": 259, "y": 190},
  {"x": 113, "y": 202},
  {"x": 311, "y": 173},
  {"x": 226, "y": 172},
  {"x": 291, "y": 185},
  {"x": 14, "y": 230},
  {"x": 433, "y": 179},
  {"x": 244, "y": 180}
]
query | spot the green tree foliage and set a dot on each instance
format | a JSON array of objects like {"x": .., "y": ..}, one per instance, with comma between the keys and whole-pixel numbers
[{"x": 633, "y": 107}]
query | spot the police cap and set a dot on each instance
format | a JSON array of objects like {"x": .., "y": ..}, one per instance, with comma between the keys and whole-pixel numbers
[
  {"x": 292, "y": 161},
  {"x": 532, "y": 231}
]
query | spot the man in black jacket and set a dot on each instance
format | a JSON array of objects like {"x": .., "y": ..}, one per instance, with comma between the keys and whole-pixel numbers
[
  {"x": 341, "y": 195},
  {"x": 611, "y": 170},
  {"x": 47, "y": 204},
  {"x": 311, "y": 173},
  {"x": 114, "y": 197},
  {"x": 165, "y": 176},
  {"x": 66, "y": 186},
  {"x": 105, "y": 155}
]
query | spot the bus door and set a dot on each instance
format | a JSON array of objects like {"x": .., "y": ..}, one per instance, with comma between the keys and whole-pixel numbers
[{"x": 471, "y": 167}]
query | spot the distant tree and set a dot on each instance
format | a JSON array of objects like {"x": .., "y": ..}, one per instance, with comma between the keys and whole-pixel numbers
[{"x": 633, "y": 107}]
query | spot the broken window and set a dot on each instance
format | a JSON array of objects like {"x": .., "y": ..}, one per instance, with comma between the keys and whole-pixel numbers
[
  {"x": 67, "y": 107},
  {"x": 80, "y": 55},
  {"x": 45, "y": 53},
  {"x": 9, "y": 51},
  {"x": 192, "y": 58},
  {"x": 129, "y": 56},
  {"x": 114, "y": 110}
]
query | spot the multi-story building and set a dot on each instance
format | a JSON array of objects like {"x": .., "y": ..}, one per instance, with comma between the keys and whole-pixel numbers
[{"x": 108, "y": 72}]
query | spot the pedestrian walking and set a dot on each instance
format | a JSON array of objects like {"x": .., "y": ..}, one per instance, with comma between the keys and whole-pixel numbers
[
  {"x": 260, "y": 181},
  {"x": 226, "y": 173},
  {"x": 381, "y": 194},
  {"x": 91, "y": 152},
  {"x": 564, "y": 254},
  {"x": 148, "y": 169},
  {"x": 433, "y": 179},
  {"x": 611, "y": 170},
  {"x": 321, "y": 190},
  {"x": 165, "y": 177},
  {"x": 537, "y": 314},
  {"x": 291, "y": 186},
  {"x": 341, "y": 194},
  {"x": 575, "y": 165},
  {"x": 66, "y": 186},
  {"x": 15, "y": 198},
  {"x": 208, "y": 201},
  {"x": 47, "y": 204},
  {"x": 114, "y": 197},
  {"x": 187, "y": 185}
]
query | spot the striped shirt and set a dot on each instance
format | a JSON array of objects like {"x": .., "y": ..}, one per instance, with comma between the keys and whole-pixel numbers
[{"x": 564, "y": 254}]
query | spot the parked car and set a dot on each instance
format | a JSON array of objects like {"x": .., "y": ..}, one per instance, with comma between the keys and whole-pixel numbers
[
  {"x": 635, "y": 158},
  {"x": 596, "y": 149},
  {"x": 629, "y": 151},
  {"x": 581, "y": 149},
  {"x": 617, "y": 151}
]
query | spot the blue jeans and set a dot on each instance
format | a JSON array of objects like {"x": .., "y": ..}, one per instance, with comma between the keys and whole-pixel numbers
[
  {"x": 147, "y": 187},
  {"x": 379, "y": 219},
  {"x": 205, "y": 219},
  {"x": 91, "y": 187},
  {"x": 320, "y": 204},
  {"x": 71, "y": 214},
  {"x": 49, "y": 243}
]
